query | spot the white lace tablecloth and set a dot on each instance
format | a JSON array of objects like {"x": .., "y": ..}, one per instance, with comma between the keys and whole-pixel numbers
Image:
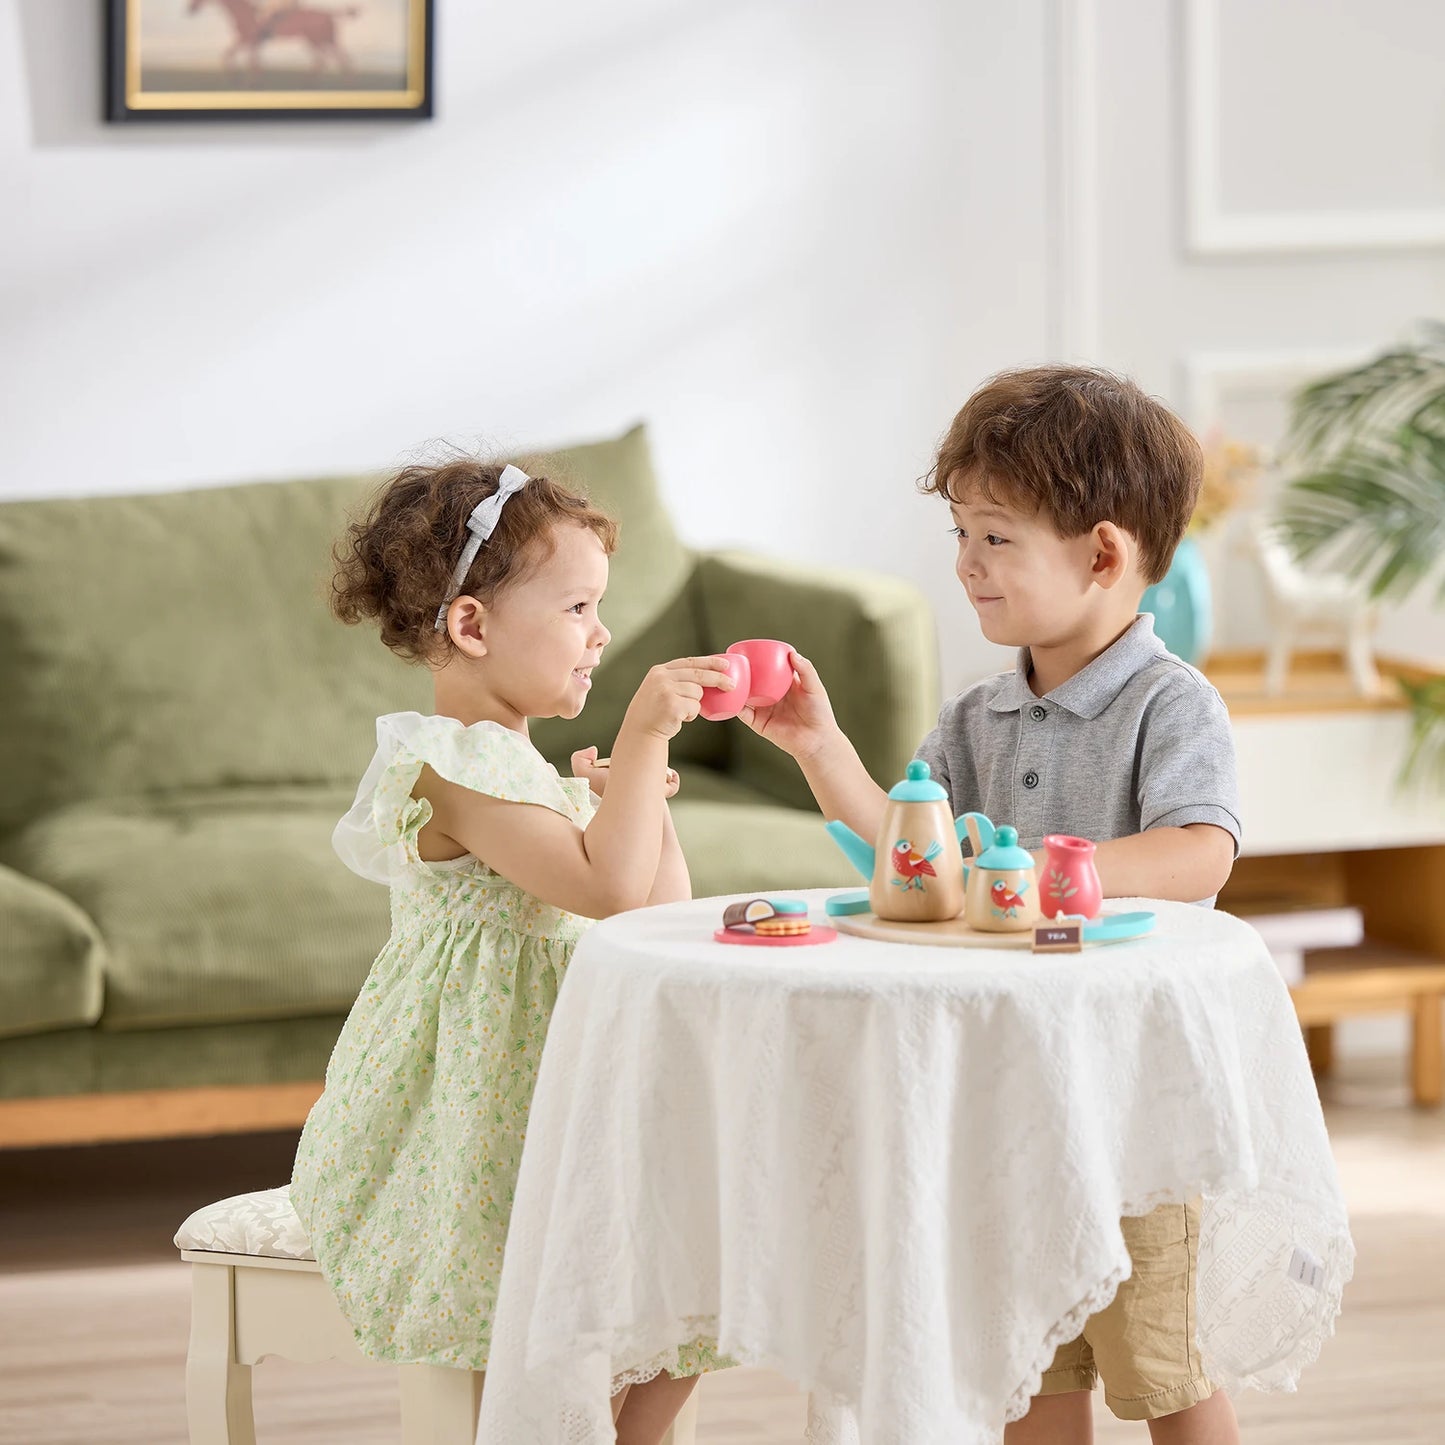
[{"x": 895, "y": 1173}]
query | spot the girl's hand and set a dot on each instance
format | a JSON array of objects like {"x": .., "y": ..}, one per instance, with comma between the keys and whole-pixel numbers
[
  {"x": 671, "y": 694},
  {"x": 586, "y": 764},
  {"x": 802, "y": 724}
]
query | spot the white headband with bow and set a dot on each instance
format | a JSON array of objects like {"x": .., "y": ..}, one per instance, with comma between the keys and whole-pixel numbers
[{"x": 481, "y": 524}]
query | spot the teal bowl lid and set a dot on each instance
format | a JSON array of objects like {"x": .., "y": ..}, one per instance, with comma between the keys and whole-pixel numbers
[
  {"x": 918, "y": 786},
  {"x": 1006, "y": 852}
]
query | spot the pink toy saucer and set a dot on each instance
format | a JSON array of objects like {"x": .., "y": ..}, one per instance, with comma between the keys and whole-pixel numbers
[{"x": 818, "y": 933}]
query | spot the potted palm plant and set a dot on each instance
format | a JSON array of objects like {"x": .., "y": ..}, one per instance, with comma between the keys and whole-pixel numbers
[{"x": 1366, "y": 450}]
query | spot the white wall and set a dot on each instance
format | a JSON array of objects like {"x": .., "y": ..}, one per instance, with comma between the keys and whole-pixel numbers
[
  {"x": 790, "y": 235},
  {"x": 1268, "y": 203}
]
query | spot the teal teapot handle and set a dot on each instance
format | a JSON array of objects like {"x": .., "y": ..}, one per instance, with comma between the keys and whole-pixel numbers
[{"x": 980, "y": 830}]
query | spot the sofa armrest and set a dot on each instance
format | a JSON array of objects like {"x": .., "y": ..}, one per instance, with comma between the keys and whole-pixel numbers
[
  {"x": 870, "y": 636},
  {"x": 51, "y": 959}
]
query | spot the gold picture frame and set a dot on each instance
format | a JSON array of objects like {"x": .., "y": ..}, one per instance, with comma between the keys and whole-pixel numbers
[{"x": 269, "y": 59}]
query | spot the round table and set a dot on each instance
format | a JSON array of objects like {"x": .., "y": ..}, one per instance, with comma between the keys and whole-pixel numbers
[{"x": 895, "y": 1173}]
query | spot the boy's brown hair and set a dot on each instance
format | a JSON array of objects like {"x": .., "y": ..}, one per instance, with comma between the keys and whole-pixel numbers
[
  {"x": 394, "y": 564},
  {"x": 1079, "y": 446}
]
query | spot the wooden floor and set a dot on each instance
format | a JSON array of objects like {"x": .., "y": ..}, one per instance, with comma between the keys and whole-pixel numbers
[{"x": 93, "y": 1303}]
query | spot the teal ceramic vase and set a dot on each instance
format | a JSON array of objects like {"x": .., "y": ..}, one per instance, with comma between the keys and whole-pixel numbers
[{"x": 1182, "y": 604}]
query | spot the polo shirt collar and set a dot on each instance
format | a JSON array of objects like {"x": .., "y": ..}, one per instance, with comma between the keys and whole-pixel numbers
[{"x": 1090, "y": 690}]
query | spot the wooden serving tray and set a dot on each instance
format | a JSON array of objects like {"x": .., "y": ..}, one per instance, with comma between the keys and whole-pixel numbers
[{"x": 955, "y": 933}]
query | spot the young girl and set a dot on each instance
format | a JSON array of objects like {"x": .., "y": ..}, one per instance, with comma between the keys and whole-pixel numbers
[{"x": 406, "y": 1168}]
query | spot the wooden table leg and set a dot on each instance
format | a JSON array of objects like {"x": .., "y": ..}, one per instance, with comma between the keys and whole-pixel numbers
[
  {"x": 1427, "y": 1067},
  {"x": 1320, "y": 1044}
]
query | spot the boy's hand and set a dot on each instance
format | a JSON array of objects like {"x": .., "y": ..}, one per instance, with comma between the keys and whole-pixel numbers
[
  {"x": 671, "y": 694},
  {"x": 586, "y": 764},
  {"x": 803, "y": 722}
]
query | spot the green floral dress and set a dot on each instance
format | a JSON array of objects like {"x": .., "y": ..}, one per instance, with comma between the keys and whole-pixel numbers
[{"x": 407, "y": 1165}]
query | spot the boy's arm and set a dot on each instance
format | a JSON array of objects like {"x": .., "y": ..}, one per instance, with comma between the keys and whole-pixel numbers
[
  {"x": 1184, "y": 864},
  {"x": 843, "y": 788},
  {"x": 803, "y": 725},
  {"x": 1188, "y": 804}
]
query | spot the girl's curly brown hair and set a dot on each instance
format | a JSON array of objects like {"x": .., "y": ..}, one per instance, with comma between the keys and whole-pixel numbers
[{"x": 394, "y": 565}]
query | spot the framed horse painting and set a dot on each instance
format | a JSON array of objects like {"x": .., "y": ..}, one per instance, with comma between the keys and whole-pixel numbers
[{"x": 268, "y": 59}]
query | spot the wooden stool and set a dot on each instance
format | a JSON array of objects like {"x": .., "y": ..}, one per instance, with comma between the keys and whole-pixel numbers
[
  {"x": 1341, "y": 982},
  {"x": 256, "y": 1290}
]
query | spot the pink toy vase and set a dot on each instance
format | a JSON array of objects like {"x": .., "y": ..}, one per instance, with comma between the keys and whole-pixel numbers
[{"x": 1068, "y": 881}]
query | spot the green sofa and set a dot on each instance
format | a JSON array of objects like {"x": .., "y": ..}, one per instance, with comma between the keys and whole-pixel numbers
[{"x": 183, "y": 722}]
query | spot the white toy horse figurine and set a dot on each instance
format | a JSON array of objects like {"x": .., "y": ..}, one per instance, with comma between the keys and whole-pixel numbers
[{"x": 1330, "y": 609}]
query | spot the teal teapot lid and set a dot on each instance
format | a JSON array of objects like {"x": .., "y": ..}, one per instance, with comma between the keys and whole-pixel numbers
[
  {"x": 918, "y": 786},
  {"x": 1006, "y": 852}
]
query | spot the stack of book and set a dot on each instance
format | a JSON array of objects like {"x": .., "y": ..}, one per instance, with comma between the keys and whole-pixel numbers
[{"x": 1290, "y": 933}]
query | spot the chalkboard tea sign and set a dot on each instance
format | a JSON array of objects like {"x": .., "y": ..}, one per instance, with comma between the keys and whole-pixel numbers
[{"x": 1060, "y": 936}]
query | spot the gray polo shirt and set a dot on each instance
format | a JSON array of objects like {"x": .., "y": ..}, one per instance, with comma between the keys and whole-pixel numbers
[{"x": 1136, "y": 740}]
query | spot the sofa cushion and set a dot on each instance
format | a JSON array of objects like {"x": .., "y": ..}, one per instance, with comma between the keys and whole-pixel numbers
[
  {"x": 214, "y": 908},
  {"x": 737, "y": 840},
  {"x": 103, "y": 1061},
  {"x": 651, "y": 607},
  {"x": 196, "y": 651},
  {"x": 182, "y": 641},
  {"x": 50, "y": 960}
]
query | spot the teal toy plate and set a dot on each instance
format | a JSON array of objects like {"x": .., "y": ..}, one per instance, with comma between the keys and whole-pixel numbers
[{"x": 1115, "y": 927}]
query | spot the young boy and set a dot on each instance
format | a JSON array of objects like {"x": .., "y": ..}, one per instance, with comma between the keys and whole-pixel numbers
[{"x": 1069, "y": 490}]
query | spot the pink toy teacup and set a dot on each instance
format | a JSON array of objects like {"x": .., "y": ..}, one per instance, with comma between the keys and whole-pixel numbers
[
  {"x": 717, "y": 703},
  {"x": 763, "y": 671},
  {"x": 771, "y": 666}
]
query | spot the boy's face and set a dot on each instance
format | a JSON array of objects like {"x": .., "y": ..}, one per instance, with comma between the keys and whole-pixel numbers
[{"x": 1029, "y": 586}]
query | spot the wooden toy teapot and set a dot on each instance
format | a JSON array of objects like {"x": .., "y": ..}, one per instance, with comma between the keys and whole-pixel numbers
[
  {"x": 1002, "y": 887},
  {"x": 916, "y": 869}
]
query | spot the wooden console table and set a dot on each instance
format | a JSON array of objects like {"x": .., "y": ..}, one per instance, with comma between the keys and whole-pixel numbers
[{"x": 1327, "y": 825}]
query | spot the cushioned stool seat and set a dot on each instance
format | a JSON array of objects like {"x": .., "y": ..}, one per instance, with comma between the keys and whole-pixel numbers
[{"x": 256, "y": 1290}]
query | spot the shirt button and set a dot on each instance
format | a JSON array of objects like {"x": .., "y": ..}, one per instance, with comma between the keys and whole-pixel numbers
[
  {"x": 1038, "y": 713},
  {"x": 1031, "y": 780}
]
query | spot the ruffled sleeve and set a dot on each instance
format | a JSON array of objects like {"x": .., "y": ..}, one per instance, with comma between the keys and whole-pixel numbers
[{"x": 377, "y": 837}]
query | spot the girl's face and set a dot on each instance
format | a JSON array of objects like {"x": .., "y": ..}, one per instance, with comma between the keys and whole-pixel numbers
[
  {"x": 1029, "y": 586},
  {"x": 542, "y": 633}
]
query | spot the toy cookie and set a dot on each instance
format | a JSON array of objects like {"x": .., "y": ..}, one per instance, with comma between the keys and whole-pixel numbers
[{"x": 774, "y": 921}]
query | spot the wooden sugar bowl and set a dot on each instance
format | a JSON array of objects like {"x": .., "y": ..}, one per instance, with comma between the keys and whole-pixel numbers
[{"x": 1002, "y": 892}]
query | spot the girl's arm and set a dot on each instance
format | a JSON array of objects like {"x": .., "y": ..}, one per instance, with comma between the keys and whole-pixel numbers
[
  {"x": 541, "y": 851},
  {"x": 672, "y": 883},
  {"x": 613, "y": 865}
]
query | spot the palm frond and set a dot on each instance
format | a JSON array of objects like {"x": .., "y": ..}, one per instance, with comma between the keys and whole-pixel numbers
[
  {"x": 1368, "y": 499},
  {"x": 1403, "y": 386},
  {"x": 1426, "y": 760},
  {"x": 1374, "y": 511}
]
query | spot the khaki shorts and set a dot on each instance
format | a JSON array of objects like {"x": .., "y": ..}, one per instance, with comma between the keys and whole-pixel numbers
[{"x": 1143, "y": 1343}]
